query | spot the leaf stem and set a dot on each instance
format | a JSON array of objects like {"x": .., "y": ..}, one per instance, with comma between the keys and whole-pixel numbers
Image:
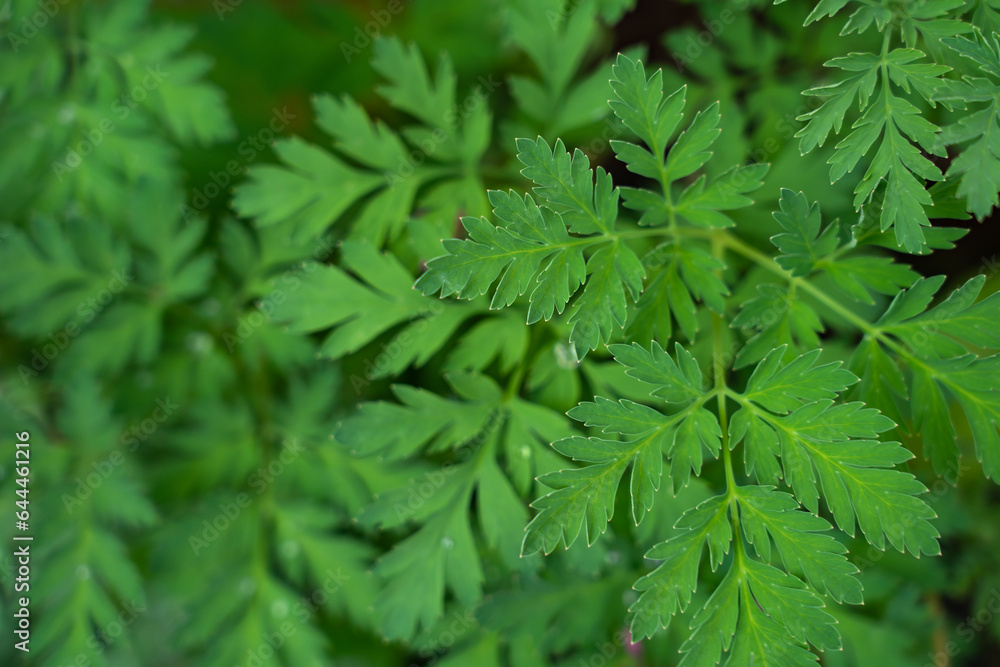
[
  {"x": 719, "y": 377},
  {"x": 719, "y": 372},
  {"x": 867, "y": 328}
]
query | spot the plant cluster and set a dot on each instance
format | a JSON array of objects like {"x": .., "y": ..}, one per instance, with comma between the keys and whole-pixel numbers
[{"x": 589, "y": 360}]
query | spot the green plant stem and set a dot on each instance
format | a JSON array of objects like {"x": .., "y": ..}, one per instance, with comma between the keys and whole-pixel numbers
[
  {"x": 721, "y": 391},
  {"x": 719, "y": 372},
  {"x": 867, "y": 328}
]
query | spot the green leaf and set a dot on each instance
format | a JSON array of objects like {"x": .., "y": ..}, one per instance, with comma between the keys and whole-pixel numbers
[
  {"x": 713, "y": 627},
  {"x": 504, "y": 338},
  {"x": 366, "y": 141},
  {"x": 957, "y": 317},
  {"x": 66, "y": 266},
  {"x": 690, "y": 152},
  {"x": 675, "y": 382},
  {"x": 762, "y": 640},
  {"x": 784, "y": 387},
  {"x": 421, "y": 419},
  {"x": 774, "y": 320},
  {"x": 611, "y": 270},
  {"x": 978, "y": 165},
  {"x": 824, "y": 9},
  {"x": 893, "y": 122},
  {"x": 667, "y": 590},
  {"x": 410, "y": 86},
  {"x": 767, "y": 515},
  {"x": 642, "y": 108},
  {"x": 583, "y": 498},
  {"x": 802, "y": 244},
  {"x": 834, "y": 444},
  {"x": 440, "y": 555},
  {"x": 533, "y": 250},
  {"x": 360, "y": 310},
  {"x": 857, "y": 476},
  {"x": 972, "y": 381},
  {"x": 681, "y": 273},
  {"x": 937, "y": 341},
  {"x": 310, "y": 192},
  {"x": 790, "y": 603},
  {"x": 566, "y": 183},
  {"x": 882, "y": 381},
  {"x": 193, "y": 110},
  {"x": 701, "y": 203},
  {"x": 859, "y": 276}
]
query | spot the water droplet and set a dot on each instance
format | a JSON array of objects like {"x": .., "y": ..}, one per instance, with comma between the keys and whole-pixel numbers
[
  {"x": 211, "y": 306},
  {"x": 447, "y": 542},
  {"x": 82, "y": 572},
  {"x": 66, "y": 114},
  {"x": 279, "y": 609},
  {"x": 247, "y": 586},
  {"x": 199, "y": 342},
  {"x": 565, "y": 356}
]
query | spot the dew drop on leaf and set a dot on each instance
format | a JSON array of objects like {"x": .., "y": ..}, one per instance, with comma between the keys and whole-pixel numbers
[
  {"x": 279, "y": 609},
  {"x": 211, "y": 306},
  {"x": 565, "y": 356},
  {"x": 66, "y": 114},
  {"x": 290, "y": 548},
  {"x": 199, "y": 342},
  {"x": 247, "y": 586}
]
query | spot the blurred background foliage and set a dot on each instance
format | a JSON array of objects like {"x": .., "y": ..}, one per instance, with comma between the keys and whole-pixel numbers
[{"x": 189, "y": 505}]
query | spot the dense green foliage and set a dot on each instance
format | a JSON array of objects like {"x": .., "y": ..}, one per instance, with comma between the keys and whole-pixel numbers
[{"x": 530, "y": 342}]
